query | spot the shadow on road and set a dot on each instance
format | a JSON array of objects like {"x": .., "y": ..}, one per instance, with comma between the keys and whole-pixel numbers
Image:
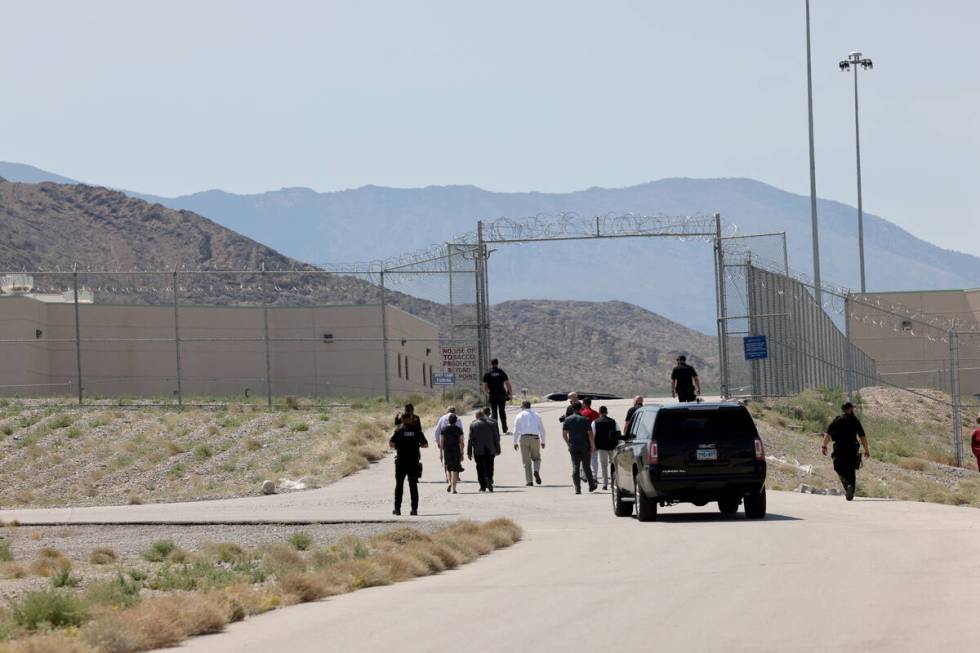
[{"x": 694, "y": 517}]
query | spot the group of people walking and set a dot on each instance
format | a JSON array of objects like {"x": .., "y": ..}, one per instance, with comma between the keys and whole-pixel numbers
[{"x": 589, "y": 435}]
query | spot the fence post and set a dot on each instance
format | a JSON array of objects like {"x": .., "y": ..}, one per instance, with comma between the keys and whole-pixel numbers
[
  {"x": 954, "y": 387},
  {"x": 265, "y": 333},
  {"x": 180, "y": 388},
  {"x": 722, "y": 308},
  {"x": 384, "y": 335},
  {"x": 78, "y": 333}
]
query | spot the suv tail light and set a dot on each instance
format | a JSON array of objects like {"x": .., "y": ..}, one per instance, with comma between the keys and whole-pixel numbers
[
  {"x": 653, "y": 453},
  {"x": 760, "y": 452}
]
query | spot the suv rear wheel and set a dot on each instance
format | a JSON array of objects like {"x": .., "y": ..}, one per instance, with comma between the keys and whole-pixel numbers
[
  {"x": 620, "y": 508},
  {"x": 755, "y": 504},
  {"x": 728, "y": 506},
  {"x": 646, "y": 508}
]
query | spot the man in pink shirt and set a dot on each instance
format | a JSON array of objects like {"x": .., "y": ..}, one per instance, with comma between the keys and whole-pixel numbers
[{"x": 975, "y": 443}]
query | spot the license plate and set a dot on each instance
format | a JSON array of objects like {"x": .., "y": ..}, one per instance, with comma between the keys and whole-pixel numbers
[{"x": 707, "y": 454}]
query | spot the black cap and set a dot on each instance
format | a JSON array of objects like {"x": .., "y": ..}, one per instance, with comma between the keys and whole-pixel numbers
[{"x": 847, "y": 405}]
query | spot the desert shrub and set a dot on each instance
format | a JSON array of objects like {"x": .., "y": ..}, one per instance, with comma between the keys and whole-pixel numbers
[
  {"x": 252, "y": 444},
  {"x": 299, "y": 426},
  {"x": 6, "y": 552},
  {"x": 203, "y": 452},
  {"x": 63, "y": 578},
  {"x": 226, "y": 552},
  {"x": 48, "y": 608},
  {"x": 162, "y": 550},
  {"x": 191, "y": 576},
  {"x": 281, "y": 560},
  {"x": 292, "y": 403},
  {"x": 61, "y": 421},
  {"x": 301, "y": 541},
  {"x": 120, "y": 592},
  {"x": 305, "y": 587}
]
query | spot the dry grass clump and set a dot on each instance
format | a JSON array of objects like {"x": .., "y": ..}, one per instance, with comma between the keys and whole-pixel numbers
[
  {"x": 54, "y": 643},
  {"x": 49, "y": 562},
  {"x": 156, "y": 622},
  {"x": 102, "y": 556}
]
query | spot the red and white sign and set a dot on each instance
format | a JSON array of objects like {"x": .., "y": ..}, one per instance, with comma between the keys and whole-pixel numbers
[{"x": 461, "y": 361}]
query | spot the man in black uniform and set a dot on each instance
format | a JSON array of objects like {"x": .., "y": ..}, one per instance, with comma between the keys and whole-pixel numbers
[
  {"x": 684, "y": 382},
  {"x": 845, "y": 431},
  {"x": 496, "y": 384},
  {"x": 407, "y": 442}
]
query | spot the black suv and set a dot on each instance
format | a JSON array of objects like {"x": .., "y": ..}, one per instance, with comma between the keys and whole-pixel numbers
[{"x": 694, "y": 453}]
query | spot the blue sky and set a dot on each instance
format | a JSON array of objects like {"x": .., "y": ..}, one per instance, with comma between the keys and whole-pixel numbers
[{"x": 175, "y": 97}]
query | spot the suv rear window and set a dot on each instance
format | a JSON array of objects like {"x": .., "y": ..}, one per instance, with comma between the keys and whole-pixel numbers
[{"x": 725, "y": 425}]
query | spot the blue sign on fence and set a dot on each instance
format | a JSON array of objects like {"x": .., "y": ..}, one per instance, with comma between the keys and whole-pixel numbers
[
  {"x": 443, "y": 378},
  {"x": 756, "y": 348}
]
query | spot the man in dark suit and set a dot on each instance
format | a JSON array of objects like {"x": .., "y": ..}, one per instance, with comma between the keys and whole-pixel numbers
[{"x": 483, "y": 446}]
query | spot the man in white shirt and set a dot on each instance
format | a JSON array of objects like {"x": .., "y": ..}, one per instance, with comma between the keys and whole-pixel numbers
[
  {"x": 529, "y": 440},
  {"x": 441, "y": 424}
]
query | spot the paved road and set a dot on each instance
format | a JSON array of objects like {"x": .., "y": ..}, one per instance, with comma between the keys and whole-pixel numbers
[{"x": 819, "y": 574}]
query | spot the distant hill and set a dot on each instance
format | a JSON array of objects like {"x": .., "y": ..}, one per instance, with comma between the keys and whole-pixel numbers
[
  {"x": 668, "y": 277},
  {"x": 547, "y": 345}
]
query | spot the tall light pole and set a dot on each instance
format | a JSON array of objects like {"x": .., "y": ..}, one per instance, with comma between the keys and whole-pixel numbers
[
  {"x": 813, "y": 169},
  {"x": 855, "y": 60}
]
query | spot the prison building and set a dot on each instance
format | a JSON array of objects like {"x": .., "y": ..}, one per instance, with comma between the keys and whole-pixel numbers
[
  {"x": 891, "y": 328},
  {"x": 221, "y": 351}
]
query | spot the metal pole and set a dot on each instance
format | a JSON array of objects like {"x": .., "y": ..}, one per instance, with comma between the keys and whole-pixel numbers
[
  {"x": 722, "y": 308},
  {"x": 850, "y": 347},
  {"x": 483, "y": 346},
  {"x": 813, "y": 165},
  {"x": 78, "y": 335},
  {"x": 268, "y": 355},
  {"x": 384, "y": 336},
  {"x": 180, "y": 388},
  {"x": 954, "y": 387},
  {"x": 785, "y": 256},
  {"x": 857, "y": 149}
]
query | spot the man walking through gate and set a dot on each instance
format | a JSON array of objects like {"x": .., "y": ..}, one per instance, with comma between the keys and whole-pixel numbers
[
  {"x": 496, "y": 384},
  {"x": 684, "y": 382},
  {"x": 529, "y": 440},
  {"x": 482, "y": 447},
  {"x": 577, "y": 432},
  {"x": 845, "y": 431}
]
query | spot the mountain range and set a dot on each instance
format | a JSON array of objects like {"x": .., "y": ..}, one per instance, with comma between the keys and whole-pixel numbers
[
  {"x": 669, "y": 277},
  {"x": 547, "y": 345}
]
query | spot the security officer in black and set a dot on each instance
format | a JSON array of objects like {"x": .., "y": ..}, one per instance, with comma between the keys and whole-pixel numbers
[
  {"x": 497, "y": 385},
  {"x": 845, "y": 431},
  {"x": 407, "y": 442}
]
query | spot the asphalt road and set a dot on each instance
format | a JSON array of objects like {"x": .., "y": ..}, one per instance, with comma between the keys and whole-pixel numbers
[{"x": 818, "y": 574}]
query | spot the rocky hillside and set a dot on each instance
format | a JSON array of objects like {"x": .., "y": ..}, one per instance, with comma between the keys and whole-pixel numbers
[{"x": 548, "y": 345}]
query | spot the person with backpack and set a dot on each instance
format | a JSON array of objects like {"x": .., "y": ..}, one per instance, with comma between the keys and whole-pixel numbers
[
  {"x": 845, "y": 431},
  {"x": 408, "y": 441},
  {"x": 606, "y": 438}
]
